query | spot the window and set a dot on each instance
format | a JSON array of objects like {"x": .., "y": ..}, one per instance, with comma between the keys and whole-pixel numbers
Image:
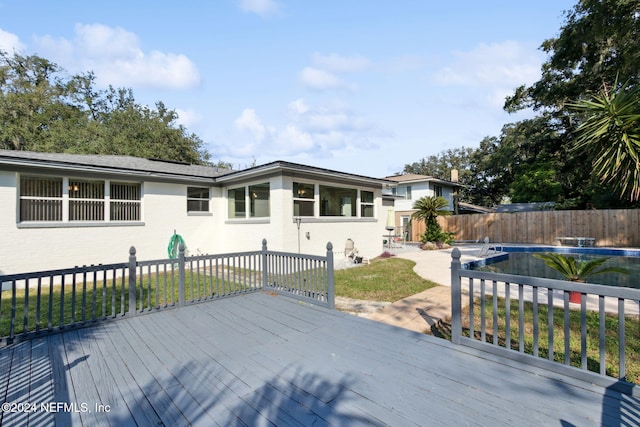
[
  {"x": 40, "y": 199},
  {"x": 237, "y": 204},
  {"x": 86, "y": 200},
  {"x": 437, "y": 190},
  {"x": 125, "y": 202},
  {"x": 403, "y": 191},
  {"x": 259, "y": 199},
  {"x": 78, "y": 200},
  {"x": 303, "y": 199},
  {"x": 366, "y": 204},
  {"x": 197, "y": 199},
  {"x": 337, "y": 201},
  {"x": 259, "y": 196}
]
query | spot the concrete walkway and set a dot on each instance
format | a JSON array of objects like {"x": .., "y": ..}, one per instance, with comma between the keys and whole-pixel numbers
[{"x": 421, "y": 311}]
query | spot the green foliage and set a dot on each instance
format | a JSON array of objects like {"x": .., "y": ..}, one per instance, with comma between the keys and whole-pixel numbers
[
  {"x": 577, "y": 271},
  {"x": 538, "y": 184},
  {"x": 611, "y": 132},
  {"x": 427, "y": 210},
  {"x": 435, "y": 234},
  {"x": 42, "y": 109}
]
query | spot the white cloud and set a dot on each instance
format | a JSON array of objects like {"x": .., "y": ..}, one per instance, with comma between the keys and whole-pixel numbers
[
  {"x": 10, "y": 42},
  {"x": 326, "y": 70},
  {"x": 188, "y": 118},
  {"x": 316, "y": 78},
  {"x": 261, "y": 8},
  {"x": 116, "y": 58},
  {"x": 340, "y": 64},
  {"x": 506, "y": 63},
  {"x": 249, "y": 121},
  {"x": 292, "y": 140},
  {"x": 309, "y": 131},
  {"x": 492, "y": 71}
]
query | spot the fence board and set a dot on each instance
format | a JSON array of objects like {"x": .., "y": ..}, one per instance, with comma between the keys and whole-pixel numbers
[{"x": 610, "y": 227}]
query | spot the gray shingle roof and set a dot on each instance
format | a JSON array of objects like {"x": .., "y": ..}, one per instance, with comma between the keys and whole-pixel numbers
[{"x": 114, "y": 163}]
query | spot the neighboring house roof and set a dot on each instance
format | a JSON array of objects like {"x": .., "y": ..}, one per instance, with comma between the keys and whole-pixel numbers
[
  {"x": 412, "y": 177},
  {"x": 161, "y": 169},
  {"x": 468, "y": 207},
  {"x": 525, "y": 207}
]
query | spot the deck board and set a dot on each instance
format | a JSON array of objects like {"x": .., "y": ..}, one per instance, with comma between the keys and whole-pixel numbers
[{"x": 261, "y": 359}]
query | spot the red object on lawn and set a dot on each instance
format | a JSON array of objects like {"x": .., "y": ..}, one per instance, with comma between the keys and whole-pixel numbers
[{"x": 574, "y": 297}]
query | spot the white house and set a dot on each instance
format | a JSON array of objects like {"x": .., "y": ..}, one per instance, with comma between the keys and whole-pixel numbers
[
  {"x": 63, "y": 210},
  {"x": 410, "y": 188}
]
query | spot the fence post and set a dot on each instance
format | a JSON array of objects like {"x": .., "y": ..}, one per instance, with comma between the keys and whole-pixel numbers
[
  {"x": 331, "y": 293},
  {"x": 133, "y": 264},
  {"x": 265, "y": 267},
  {"x": 181, "y": 275},
  {"x": 456, "y": 297}
]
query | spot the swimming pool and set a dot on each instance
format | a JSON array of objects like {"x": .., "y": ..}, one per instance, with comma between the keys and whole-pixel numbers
[{"x": 519, "y": 260}]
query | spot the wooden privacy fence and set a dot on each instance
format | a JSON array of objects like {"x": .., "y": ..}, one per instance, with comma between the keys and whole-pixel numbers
[
  {"x": 32, "y": 304},
  {"x": 609, "y": 227}
]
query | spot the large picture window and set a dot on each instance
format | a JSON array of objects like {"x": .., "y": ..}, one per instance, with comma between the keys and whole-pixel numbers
[
  {"x": 333, "y": 201},
  {"x": 46, "y": 199},
  {"x": 256, "y": 195},
  {"x": 337, "y": 201}
]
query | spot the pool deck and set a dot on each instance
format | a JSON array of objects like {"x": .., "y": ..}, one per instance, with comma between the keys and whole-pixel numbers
[{"x": 261, "y": 359}]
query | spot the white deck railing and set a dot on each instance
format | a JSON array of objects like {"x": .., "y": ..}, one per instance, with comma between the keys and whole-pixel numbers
[
  {"x": 529, "y": 306},
  {"x": 32, "y": 304}
]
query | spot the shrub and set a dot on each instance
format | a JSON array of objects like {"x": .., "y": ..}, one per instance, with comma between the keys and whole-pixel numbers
[{"x": 435, "y": 234}]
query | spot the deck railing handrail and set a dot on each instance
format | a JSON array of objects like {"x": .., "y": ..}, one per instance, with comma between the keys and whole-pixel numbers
[
  {"x": 484, "y": 288},
  {"x": 35, "y": 303}
]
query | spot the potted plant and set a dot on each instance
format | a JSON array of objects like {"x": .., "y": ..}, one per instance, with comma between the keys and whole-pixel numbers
[{"x": 577, "y": 271}]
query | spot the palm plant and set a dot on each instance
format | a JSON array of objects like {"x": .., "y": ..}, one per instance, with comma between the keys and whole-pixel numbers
[
  {"x": 611, "y": 132},
  {"x": 577, "y": 271},
  {"x": 428, "y": 209}
]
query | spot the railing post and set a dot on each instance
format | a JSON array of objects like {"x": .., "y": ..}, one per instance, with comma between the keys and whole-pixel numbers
[
  {"x": 331, "y": 295},
  {"x": 265, "y": 267},
  {"x": 456, "y": 297},
  {"x": 181, "y": 275},
  {"x": 133, "y": 264}
]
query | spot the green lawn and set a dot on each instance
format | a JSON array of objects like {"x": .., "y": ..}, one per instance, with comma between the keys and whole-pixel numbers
[
  {"x": 385, "y": 279},
  {"x": 632, "y": 336}
]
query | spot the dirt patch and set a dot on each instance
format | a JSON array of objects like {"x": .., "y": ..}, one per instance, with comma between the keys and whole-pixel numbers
[{"x": 359, "y": 306}]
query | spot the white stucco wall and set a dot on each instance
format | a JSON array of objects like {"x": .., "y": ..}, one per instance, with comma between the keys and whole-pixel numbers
[
  {"x": 281, "y": 230},
  {"x": 27, "y": 247},
  {"x": 24, "y": 249}
]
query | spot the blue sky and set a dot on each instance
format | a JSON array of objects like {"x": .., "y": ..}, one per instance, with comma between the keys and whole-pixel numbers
[{"x": 361, "y": 87}]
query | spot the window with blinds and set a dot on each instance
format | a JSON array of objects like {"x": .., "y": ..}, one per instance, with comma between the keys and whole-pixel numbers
[
  {"x": 49, "y": 199},
  {"x": 86, "y": 200},
  {"x": 40, "y": 199},
  {"x": 125, "y": 202}
]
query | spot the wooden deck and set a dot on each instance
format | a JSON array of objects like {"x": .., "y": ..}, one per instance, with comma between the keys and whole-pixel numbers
[{"x": 260, "y": 359}]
